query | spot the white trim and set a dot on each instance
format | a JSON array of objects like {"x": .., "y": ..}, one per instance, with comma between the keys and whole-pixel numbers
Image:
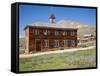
[
  {"x": 72, "y": 33},
  {"x": 71, "y": 43},
  {"x": 63, "y": 32},
  {"x": 57, "y": 44},
  {"x": 64, "y": 43},
  {"x": 46, "y": 40}
]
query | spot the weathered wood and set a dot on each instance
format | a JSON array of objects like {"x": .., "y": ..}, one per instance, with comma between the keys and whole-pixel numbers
[{"x": 32, "y": 45}]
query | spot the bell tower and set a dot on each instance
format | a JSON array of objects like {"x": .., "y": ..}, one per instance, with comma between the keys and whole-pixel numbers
[{"x": 52, "y": 18}]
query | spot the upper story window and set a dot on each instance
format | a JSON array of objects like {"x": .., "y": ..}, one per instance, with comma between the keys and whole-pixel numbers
[
  {"x": 72, "y": 33},
  {"x": 46, "y": 43},
  {"x": 56, "y": 43},
  {"x": 36, "y": 32},
  {"x": 55, "y": 32},
  {"x": 46, "y": 32},
  {"x": 64, "y": 43},
  {"x": 63, "y": 32}
]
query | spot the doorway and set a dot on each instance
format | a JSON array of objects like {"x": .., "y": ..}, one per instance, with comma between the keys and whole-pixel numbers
[{"x": 38, "y": 45}]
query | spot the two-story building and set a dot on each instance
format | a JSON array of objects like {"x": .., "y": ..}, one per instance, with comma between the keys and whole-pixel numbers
[{"x": 44, "y": 36}]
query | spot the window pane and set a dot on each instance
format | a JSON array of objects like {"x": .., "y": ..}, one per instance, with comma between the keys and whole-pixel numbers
[
  {"x": 72, "y": 43},
  {"x": 35, "y": 32},
  {"x": 63, "y": 32},
  {"x": 56, "y": 43},
  {"x": 46, "y": 43},
  {"x": 72, "y": 33},
  {"x": 56, "y": 32},
  {"x": 48, "y": 32},
  {"x": 64, "y": 43},
  {"x": 45, "y": 32}
]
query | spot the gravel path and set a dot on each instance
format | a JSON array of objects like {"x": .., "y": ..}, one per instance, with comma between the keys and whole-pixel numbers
[{"x": 53, "y": 52}]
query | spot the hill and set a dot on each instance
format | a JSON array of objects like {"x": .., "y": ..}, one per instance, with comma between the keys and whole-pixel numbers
[{"x": 82, "y": 28}]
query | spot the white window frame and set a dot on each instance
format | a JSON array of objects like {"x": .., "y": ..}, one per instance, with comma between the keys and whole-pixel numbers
[
  {"x": 72, "y": 33},
  {"x": 56, "y": 41},
  {"x": 72, "y": 43},
  {"x": 64, "y": 45},
  {"x": 55, "y": 32},
  {"x": 35, "y": 31},
  {"x": 47, "y": 43},
  {"x": 63, "y": 32},
  {"x": 45, "y": 32},
  {"x": 48, "y": 32}
]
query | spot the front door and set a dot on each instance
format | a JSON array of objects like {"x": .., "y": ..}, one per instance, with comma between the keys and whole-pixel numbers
[{"x": 38, "y": 45}]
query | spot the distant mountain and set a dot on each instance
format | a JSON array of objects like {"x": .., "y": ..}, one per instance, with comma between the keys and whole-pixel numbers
[
  {"x": 86, "y": 30},
  {"x": 68, "y": 22}
]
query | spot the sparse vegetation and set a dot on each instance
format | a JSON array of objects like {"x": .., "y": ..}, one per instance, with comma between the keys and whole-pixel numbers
[
  {"x": 78, "y": 59},
  {"x": 86, "y": 30},
  {"x": 21, "y": 43},
  {"x": 21, "y": 51}
]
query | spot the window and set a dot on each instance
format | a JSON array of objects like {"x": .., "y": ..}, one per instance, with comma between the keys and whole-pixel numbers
[
  {"x": 72, "y": 33},
  {"x": 46, "y": 32},
  {"x": 46, "y": 43},
  {"x": 63, "y": 32},
  {"x": 56, "y": 43},
  {"x": 55, "y": 32},
  {"x": 36, "y": 32},
  {"x": 72, "y": 43},
  {"x": 64, "y": 43}
]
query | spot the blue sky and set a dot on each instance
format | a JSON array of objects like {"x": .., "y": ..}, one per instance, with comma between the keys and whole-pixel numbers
[{"x": 29, "y": 14}]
